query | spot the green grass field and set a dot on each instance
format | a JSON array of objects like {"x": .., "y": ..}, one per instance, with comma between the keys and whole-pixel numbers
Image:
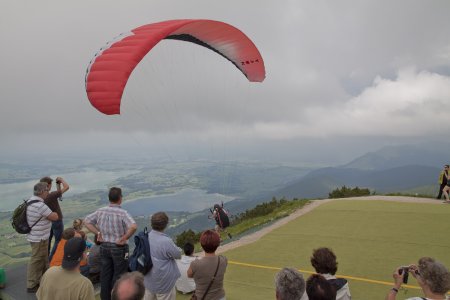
[{"x": 370, "y": 239}]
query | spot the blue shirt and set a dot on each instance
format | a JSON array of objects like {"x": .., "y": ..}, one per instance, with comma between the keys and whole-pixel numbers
[{"x": 162, "y": 277}]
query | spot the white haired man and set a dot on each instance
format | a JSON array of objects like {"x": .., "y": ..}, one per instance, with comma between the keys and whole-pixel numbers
[
  {"x": 290, "y": 285},
  {"x": 39, "y": 217}
]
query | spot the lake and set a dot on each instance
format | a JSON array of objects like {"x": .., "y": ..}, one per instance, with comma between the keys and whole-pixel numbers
[
  {"x": 11, "y": 194},
  {"x": 190, "y": 200}
]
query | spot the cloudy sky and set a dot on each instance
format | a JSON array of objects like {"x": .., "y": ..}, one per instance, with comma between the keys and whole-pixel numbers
[{"x": 343, "y": 78}]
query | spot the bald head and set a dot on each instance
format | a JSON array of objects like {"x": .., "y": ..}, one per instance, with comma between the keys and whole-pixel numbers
[{"x": 130, "y": 286}]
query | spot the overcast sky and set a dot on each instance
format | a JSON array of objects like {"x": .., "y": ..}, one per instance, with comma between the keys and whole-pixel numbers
[{"x": 342, "y": 78}]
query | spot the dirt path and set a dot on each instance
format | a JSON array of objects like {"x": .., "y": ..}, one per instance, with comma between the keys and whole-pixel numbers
[{"x": 309, "y": 207}]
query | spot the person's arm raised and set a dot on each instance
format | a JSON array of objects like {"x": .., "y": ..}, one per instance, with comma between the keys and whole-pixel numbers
[{"x": 65, "y": 186}]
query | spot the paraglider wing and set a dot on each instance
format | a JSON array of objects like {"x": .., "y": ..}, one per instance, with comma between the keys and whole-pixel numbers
[{"x": 109, "y": 70}]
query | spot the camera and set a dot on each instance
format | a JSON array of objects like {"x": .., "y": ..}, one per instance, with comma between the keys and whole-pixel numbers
[
  {"x": 404, "y": 270},
  {"x": 58, "y": 182}
]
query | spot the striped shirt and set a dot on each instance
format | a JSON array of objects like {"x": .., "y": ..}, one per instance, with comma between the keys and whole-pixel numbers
[
  {"x": 112, "y": 221},
  {"x": 40, "y": 231}
]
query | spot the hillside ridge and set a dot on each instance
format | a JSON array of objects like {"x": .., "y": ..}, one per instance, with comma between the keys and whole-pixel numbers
[{"x": 313, "y": 204}]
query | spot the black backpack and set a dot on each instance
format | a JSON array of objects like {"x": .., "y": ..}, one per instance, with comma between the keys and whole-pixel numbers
[
  {"x": 141, "y": 260},
  {"x": 19, "y": 218},
  {"x": 222, "y": 218}
]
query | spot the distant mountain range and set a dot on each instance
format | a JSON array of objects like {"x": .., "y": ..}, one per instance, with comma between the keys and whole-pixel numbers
[
  {"x": 399, "y": 156},
  {"x": 411, "y": 169},
  {"x": 390, "y": 169}
]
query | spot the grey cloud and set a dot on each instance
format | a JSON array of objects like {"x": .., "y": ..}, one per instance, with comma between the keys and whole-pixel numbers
[{"x": 319, "y": 55}]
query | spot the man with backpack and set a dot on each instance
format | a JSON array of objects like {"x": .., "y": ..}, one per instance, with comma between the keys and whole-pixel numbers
[
  {"x": 39, "y": 218},
  {"x": 160, "y": 280},
  {"x": 220, "y": 215},
  {"x": 52, "y": 202}
]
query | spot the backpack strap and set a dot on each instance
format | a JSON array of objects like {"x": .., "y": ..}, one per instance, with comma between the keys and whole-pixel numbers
[
  {"x": 338, "y": 283},
  {"x": 28, "y": 204},
  {"x": 214, "y": 277}
]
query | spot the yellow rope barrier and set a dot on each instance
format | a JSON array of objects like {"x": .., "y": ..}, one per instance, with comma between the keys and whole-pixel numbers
[{"x": 310, "y": 272}]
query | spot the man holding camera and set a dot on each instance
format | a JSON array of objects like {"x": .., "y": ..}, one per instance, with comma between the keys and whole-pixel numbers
[{"x": 52, "y": 202}]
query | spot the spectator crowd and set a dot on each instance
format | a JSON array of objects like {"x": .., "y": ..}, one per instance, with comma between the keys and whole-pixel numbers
[{"x": 76, "y": 263}]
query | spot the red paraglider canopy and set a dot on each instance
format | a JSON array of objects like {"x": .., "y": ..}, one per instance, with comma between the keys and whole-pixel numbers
[{"x": 109, "y": 70}]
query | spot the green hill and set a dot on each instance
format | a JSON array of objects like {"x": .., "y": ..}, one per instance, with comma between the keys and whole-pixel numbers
[{"x": 370, "y": 239}]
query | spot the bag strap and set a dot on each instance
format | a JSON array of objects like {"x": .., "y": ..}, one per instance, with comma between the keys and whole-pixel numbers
[
  {"x": 214, "y": 277},
  {"x": 28, "y": 204}
]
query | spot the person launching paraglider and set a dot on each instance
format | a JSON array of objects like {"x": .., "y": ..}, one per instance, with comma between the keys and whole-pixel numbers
[{"x": 220, "y": 215}]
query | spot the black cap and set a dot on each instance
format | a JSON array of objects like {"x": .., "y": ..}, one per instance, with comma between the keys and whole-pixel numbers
[{"x": 73, "y": 252}]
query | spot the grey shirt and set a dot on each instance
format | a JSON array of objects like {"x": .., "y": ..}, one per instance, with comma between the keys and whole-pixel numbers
[{"x": 162, "y": 277}]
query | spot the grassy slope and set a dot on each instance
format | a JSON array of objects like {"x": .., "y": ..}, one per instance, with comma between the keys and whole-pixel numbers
[
  {"x": 281, "y": 211},
  {"x": 370, "y": 238}
]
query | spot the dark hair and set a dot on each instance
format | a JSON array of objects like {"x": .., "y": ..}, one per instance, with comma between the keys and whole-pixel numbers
[
  {"x": 82, "y": 233},
  {"x": 210, "y": 241},
  {"x": 77, "y": 224},
  {"x": 446, "y": 166},
  {"x": 46, "y": 179},
  {"x": 318, "y": 288},
  {"x": 134, "y": 292},
  {"x": 188, "y": 249},
  {"x": 324, "y": 261},
  {"x": 115, "y": 194},
  {"x": 68, "y": 233},
  {"x": 159, "y": 221}
]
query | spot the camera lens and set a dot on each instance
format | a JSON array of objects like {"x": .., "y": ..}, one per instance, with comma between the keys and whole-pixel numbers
[{"x": 406, "y": 275}]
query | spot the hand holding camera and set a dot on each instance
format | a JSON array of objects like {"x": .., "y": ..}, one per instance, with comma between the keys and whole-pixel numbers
[
  {"x": 400, "y": 276},
  {"x": 60, "y": 181},
  {"x": 404, "y": 272}
]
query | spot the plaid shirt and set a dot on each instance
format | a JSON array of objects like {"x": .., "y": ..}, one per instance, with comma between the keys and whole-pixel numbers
[{"x": 112, "y": 221}]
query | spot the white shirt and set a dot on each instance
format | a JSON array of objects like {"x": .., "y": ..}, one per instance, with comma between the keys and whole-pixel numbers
[
  {"x": 185, "y": 284},
  {"x": 40, "y": 231}
]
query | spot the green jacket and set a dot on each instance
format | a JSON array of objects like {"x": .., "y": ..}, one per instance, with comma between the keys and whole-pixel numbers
[{"x": 441, "y": 177}]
